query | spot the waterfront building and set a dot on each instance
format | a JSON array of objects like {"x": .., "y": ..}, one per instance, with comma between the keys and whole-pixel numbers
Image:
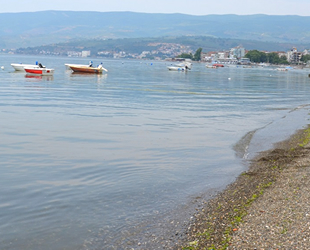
[
  {"x": 237, "y": 52},
  {"x": 293, "y": 56}
]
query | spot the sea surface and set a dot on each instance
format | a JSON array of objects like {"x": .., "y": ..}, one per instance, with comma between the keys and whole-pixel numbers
[{"x": 115, "y": 160}]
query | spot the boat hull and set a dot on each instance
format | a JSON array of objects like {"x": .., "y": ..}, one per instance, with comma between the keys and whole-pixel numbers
[{"x": 40, "y": 71}]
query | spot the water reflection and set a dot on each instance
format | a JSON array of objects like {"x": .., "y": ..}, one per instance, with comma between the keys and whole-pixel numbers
[
  {"x": 80, "y": 74},
  {"x": 39, "y": 77},
  {"x": 88, "y": 76}
]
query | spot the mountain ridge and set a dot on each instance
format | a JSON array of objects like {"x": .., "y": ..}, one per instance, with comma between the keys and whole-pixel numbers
[{"x": 28, "y": 29}]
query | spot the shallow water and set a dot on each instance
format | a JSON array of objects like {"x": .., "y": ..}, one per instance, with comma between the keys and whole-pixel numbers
[{"x": 95, "y": 161}]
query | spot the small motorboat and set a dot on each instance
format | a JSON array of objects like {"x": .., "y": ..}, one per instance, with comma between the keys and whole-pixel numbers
[
  {"x": 181, "y": 67},
  {"x": 211, "y": 66},
  {"x": 39, "y": 70},
  {"x": 88, "y": 69},
  {"x": 21, "y": 66},
  {"x": 218, "y": 65},
  {"x": 282, "y": 69}
]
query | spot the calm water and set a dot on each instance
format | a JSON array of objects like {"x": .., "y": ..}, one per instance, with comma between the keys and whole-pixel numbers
[{"x": 100, "y": 161}]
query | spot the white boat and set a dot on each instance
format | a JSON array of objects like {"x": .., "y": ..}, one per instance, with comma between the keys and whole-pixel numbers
[
  {"x": 176, "y": 68},
  {"x": 39, "y": 71},
  {"x": 282, "y": 69},
  {"x": 21, "y": 66},
  {"x": 211, "y": 66},
  {"x": 181, "y": 67}
]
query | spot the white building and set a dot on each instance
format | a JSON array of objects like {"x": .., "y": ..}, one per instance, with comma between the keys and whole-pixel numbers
[
  {"x": 85, "y": 53},
  {"x": 293, "y": 56},
  {"x": 237, "y": 52}
]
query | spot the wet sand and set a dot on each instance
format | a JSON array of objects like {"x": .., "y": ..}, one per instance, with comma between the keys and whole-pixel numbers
[{"x": 267, "y": 207}]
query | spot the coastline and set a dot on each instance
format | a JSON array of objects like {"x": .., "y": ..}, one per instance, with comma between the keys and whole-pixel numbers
[{"x": 265, "y": 208}]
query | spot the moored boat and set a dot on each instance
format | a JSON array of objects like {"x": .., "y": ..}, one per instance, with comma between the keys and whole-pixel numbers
[
  {"x": 282, "y": 69},
  {"x": 21, "y": 66},
  {"x": 180, "y": 67},
  {"x": 88, "y": 69},
  {"x": 176, "y": 68},
  {"x": 211, "y": 66},
  {"x": 218, "y": 65}
]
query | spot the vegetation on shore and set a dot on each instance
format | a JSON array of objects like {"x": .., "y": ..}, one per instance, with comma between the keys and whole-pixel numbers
[
  {"x": 273, "y": 58},
  {"x": 262, "y": 57},
  {"x": 195, "y": 57}
]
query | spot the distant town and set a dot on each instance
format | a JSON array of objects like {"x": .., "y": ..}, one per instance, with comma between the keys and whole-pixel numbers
[{"x": 173, "y": 51}]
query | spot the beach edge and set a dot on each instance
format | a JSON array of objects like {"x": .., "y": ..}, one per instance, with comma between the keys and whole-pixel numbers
[{"x": 217, "y": 225}]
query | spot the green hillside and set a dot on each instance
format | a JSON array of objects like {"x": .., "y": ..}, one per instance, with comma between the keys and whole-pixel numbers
[{"x": 138, "y": 45}]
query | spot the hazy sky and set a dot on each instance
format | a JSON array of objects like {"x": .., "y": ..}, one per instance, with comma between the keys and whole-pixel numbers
[{"x": 194, "y": 7}]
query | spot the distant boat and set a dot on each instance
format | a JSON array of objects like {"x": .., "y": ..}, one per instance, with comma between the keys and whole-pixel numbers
[
  {"x": 211, "y": 66},
  {"x": 218, "y": 65},
  {"x": 181, "y": 67},
  {"x": 88, "y": 69},
  {"x": 21, "y": 66},
  {"x": 39, "y": 70},
  {"x": 282, "y": 69}
]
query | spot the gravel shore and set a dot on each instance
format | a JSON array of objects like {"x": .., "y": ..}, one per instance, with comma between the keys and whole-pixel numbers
[{"x": 268, "y": 207}]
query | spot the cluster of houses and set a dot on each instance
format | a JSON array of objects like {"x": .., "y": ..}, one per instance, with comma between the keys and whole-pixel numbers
[
  {"x": 157, "y": 51},
  {"x": 237, "y": 56},
  {"x": 168, "y": 51},
  {"x": 233, "y": 56}
]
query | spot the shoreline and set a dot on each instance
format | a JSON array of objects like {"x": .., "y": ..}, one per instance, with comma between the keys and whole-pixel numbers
[{"x": 246, "y": 215}]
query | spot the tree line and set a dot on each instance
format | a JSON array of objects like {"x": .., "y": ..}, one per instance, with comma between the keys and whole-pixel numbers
[
  {"x": 262, "y": 57},
  {"x": 254, "y": 55},
  {"x": 273, "y": 58}
]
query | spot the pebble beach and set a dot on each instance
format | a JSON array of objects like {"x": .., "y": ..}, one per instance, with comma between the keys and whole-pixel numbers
[{"x": 267, "y": 207}]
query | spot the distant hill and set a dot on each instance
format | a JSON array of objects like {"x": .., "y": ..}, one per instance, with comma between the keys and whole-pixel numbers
[
  {"x": 138, "y": 45},
  {"x": 41, "y": 28}
]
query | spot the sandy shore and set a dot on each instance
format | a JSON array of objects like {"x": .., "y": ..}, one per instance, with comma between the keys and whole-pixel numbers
[{"x": 268, "y": 207}]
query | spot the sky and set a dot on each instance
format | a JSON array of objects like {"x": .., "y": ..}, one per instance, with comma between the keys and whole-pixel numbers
[{"x": 192, "y": 7}]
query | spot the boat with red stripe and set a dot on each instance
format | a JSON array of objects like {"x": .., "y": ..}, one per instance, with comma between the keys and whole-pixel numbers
[{"x": 41, "y": 70}]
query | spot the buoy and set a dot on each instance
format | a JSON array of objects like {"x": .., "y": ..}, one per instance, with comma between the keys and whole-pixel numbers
[
  {"x": 229, "y": 78},
  {"x": 2, "y": 67}
]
